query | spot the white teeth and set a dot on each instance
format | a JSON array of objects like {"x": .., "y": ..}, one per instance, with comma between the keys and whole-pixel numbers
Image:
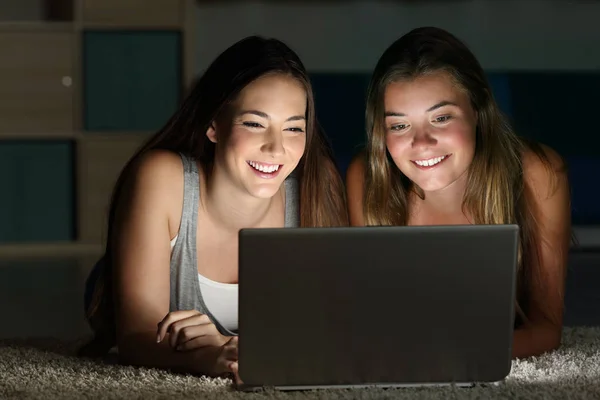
[
  {"x": 264, "y": 168},
  {"x": 430, "y": 162}
]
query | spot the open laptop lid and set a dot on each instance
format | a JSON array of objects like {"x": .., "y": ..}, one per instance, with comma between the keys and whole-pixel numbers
[{"x": 376, "y": 305}]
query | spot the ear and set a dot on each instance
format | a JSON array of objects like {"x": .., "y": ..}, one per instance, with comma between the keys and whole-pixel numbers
[{"x": 211, "y": 133}]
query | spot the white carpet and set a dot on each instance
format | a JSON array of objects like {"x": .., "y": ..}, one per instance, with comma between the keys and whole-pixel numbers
[{"x": 47, "y": 369}]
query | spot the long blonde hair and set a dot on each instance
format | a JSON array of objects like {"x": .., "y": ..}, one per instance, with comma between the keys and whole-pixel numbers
[{"x": 495, "y": 191}]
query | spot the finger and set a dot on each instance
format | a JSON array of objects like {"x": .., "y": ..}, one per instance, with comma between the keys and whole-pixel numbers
[
  {"x": 227, "y": 356},
  {"x": 222, "y": 366},
  {"x": 235, "y": 368},
  {"x": 195, "y": 337},
  {"x": 170, "y": 318},
  {"x": 230, "y": 341},
  {"x": 187, "y": 329},
  {"x": 230, "y": 353}
]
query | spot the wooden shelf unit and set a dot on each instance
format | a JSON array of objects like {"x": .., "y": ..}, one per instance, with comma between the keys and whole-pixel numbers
[{"x": 53, "y": 89}]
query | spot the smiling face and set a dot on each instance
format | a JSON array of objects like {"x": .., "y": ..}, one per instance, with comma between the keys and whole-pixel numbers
[
  {"x": 262, "y": 137},
  {"x": 430, "y": 130}
]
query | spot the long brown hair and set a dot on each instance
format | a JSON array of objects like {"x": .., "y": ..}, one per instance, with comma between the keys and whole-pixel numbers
[
  {"x": 322, "y": 195},
  {"x": 496, "y": 192}
]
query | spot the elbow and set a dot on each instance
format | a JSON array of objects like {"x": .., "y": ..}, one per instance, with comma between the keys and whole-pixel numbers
[
  {"x": 541, "y": 349},
  {"x": 547, "y": 346},
  {"x": 551, "y": 336},
  {"x": 534, "y": 341},
  {"x": 551, "y": 339},
  {"x": 554, "y": 339},
  {"x": 133, "y": 350},
  {"x": 127, "y": 354}
]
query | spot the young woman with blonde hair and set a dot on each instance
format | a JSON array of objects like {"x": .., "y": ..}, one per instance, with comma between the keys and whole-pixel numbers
[{"x": 440, "y": 152}]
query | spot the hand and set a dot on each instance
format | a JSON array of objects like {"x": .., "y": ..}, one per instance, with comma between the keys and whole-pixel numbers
[
  {"x": 236, "y": 376},
  {"x": 227, "y": 361},
  {"x": 190, "y": 330}
]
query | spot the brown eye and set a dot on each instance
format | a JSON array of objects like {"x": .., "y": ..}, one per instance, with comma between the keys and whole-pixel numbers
[{"x": 398, "y": 127}]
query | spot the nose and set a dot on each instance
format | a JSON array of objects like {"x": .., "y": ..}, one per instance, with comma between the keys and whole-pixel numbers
[
  {"x": 423, "y": 138},
  {"x": 273, "y": 144}
]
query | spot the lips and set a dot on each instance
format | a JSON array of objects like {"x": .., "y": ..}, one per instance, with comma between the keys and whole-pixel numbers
[
  {"x": 265, "y": 170},
  {"x": 264, "y": 167},
  {"x": 427, "y": 163}
]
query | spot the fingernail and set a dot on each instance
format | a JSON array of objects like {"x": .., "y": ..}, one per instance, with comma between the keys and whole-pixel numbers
[{"x": 158, "y": 338}]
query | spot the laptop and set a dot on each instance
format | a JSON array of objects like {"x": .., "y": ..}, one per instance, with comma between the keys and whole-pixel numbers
[{"x": 376, "y": 306}]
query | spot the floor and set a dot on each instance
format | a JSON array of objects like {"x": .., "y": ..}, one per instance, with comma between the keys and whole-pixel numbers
[{"x": 41, "y": 298}]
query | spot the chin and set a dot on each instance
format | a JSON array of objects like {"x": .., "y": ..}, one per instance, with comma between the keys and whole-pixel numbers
[
  {"x": 433, "y": 180},
  {"x": 434, "y": 185},
  {"x": 431, "y": 186},
  {"x": 264, "y": 191},
  {"x": 262, "y": 184}
]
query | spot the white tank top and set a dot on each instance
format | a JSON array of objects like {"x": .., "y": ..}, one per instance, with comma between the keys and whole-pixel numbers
[{"x": 221, "y": 299}]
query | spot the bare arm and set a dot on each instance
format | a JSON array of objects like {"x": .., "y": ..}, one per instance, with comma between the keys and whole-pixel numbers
[
  {"x": 148, "y": 211},
  {"x": 551, "y": 208},
  {"x": 355, "y": 181}
]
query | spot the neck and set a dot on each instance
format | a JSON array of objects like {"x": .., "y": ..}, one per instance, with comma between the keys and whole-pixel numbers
[
  {"x": 229, "y": 208},
  {"x": 449, "y": 200}
]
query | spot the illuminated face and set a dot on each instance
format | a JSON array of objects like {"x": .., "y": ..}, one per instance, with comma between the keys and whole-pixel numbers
[
  {"x": 430, "y": 130},
  {"x": 264, "y": 134}
]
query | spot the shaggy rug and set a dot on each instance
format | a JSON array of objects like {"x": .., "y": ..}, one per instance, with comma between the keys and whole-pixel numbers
[{"x": 48, "y": 369}]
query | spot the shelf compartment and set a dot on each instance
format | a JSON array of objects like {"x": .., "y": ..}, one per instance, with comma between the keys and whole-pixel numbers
[{"x": 37, "y": 202}]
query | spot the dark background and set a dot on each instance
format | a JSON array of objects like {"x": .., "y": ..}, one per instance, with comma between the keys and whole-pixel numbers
[{"x": 541, "y": 58}]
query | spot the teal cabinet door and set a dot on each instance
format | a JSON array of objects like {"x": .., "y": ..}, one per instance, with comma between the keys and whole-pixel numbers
[
  {"x": 132, "y": 80},
  {"x": 36, "y": 191}
]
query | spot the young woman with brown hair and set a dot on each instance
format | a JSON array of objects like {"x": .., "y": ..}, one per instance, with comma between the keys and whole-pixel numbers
[{"x": 243, "y": 150}]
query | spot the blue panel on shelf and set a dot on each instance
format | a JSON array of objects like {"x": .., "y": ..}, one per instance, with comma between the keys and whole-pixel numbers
[
  {"x": 132, "y": 80},
  {"x": 37, "y": 202}
]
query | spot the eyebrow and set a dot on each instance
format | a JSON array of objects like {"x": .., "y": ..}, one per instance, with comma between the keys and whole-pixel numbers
[
  {"x": 434, "y": 107},
  {"x": 266, "y": 116}
]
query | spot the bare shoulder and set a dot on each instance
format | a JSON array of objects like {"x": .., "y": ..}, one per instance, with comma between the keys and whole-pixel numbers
[
  {"x": 155, "y": 182},
  {"x": 355, "y": 188},
  {"x": 355, "y": 174},
  {"x": 158, "y": 168},
  {"x": 544, "y": 171},
  {"x": 547, "y": 187}
]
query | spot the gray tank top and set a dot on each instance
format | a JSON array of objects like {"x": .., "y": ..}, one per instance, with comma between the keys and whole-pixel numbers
[{"x": 185, "y": 286}]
